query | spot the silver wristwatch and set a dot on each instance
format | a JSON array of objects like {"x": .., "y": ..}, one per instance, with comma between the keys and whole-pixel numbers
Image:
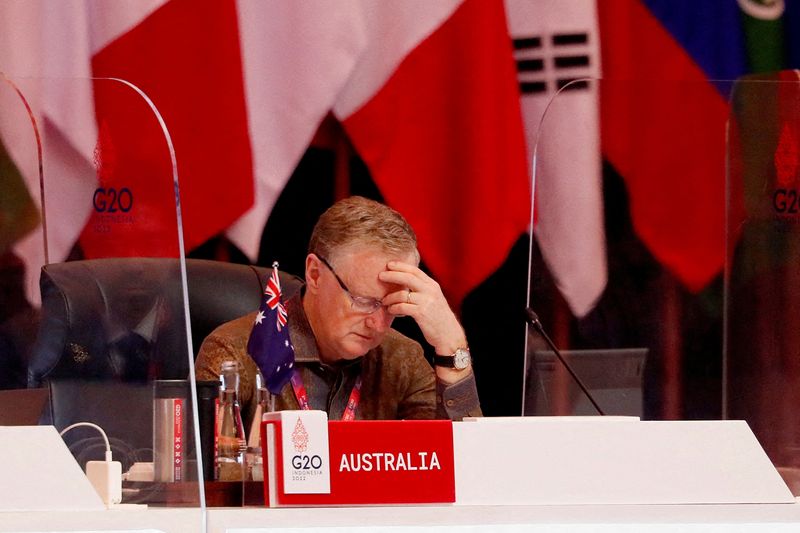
[{"x": 460, "y": 359}]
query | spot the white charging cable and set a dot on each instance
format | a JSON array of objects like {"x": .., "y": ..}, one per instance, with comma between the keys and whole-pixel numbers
[
  {"x": 105, "y": 476},
  {"x": 95, "y": 426}
]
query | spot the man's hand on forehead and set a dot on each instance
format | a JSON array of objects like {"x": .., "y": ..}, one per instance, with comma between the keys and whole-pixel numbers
[{"x": 422, "y": 299}]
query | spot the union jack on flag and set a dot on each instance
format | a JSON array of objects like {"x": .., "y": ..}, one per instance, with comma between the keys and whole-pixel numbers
[
  {"x": 269, "y": 344},
  {"x": 273, "y": 294}
]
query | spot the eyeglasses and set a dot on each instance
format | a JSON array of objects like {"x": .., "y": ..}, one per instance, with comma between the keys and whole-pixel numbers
[{"x": 359, "y": 304}]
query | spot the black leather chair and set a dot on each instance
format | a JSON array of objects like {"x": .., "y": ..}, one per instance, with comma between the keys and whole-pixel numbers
[
  {"x": 82, "y": 304},
  {"x": 82, "y": 300}
]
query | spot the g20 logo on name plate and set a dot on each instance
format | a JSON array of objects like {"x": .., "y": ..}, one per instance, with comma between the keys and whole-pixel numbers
[{"x": 303, "y": 461}]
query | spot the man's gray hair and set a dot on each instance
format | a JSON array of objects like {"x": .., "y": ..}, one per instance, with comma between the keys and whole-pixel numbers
[{"x": 361, "y": 221}]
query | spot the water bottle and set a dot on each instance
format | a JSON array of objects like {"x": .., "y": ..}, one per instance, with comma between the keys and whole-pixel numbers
[
  {"x": 230, "y": 443},
  {"x": 253, "y": 458}
]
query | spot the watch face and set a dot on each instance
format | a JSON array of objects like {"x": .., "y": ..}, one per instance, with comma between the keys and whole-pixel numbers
[{"x": 461, "y": 359}]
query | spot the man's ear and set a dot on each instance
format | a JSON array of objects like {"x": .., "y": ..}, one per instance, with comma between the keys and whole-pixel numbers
[{"x": 313, "y": 272}]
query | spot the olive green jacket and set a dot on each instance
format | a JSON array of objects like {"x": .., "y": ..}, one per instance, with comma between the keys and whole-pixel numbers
[{"x": 397, "y": 383}]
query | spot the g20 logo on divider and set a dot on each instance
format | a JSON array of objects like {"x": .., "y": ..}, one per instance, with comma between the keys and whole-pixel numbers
[
  {"x": 111, "y": 200},
  {"x": 786, "y": 201}
]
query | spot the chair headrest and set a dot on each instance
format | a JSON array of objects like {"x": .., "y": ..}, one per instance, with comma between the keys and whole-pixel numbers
[{"x": 85, "y": 302}]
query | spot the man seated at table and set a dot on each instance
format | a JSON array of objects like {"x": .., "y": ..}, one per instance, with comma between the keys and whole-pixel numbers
[{"x": 361, "y": 272}]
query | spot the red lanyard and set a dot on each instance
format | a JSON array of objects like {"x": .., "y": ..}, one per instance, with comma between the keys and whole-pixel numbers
[{"x": 302, "y": 397}]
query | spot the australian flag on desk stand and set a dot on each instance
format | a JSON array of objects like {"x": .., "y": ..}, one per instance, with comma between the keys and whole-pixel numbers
[{"x": 269, "y": 344}]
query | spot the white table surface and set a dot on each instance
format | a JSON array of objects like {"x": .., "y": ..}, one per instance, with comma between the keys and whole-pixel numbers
[{"x": 504, "y": 519}]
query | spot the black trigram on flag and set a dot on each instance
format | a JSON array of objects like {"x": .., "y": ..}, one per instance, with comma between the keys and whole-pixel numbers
[{"x": 548, "y": 63}]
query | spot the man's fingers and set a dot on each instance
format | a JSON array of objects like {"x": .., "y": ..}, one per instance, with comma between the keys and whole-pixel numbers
[
  {"x": 403, "y": 296},
  {"x": 401, "y": 309},
  {"x": 400, "y": 266},
  {"x": 404, "y": 279}
]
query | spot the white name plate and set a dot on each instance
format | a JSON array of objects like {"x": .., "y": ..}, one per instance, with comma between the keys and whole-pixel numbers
[
  {"x": 615, "y": 460},
  {"x": 306, "y": 465}
]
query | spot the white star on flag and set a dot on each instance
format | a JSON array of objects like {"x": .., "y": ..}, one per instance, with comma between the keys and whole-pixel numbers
[{"x": 270, "y": 347}]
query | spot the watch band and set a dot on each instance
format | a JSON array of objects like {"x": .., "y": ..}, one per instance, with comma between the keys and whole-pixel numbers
[{"x": 447, "y": 361}]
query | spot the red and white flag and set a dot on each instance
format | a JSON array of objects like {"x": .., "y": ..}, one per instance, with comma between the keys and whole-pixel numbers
[
  {"x": 186, "y": 58},
  {"x": 443, "y": 136},
  {"x": 426, "y": 91},
  {"x": 296, "y": 57}
]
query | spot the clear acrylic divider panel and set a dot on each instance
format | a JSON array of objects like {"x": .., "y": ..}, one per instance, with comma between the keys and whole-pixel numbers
[
  {"x": 21, "y": 250},
  {"x": 762, "y": 314},
  {"x": 629, "y": 249},
  {"x": 668, "y": 218},
  {"x": 112, "y": 345}
]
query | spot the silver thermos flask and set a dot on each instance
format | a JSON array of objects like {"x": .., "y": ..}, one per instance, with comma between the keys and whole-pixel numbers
[{"x": 170, "y": 433}]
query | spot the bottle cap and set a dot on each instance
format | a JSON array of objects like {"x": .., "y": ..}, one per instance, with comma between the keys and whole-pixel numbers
[{"x": 229, "y": 376}]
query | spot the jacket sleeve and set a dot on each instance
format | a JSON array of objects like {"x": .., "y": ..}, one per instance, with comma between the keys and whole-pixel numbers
[
  {"x": 457, "y": 400},
  {"x": 427, "y": 397}
]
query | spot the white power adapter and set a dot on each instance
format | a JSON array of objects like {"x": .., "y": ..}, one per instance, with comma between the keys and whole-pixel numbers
[{"x": 106, "y": 478}]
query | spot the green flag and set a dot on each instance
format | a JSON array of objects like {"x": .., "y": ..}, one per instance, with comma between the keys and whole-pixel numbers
[{"x": 764, "y": 38}]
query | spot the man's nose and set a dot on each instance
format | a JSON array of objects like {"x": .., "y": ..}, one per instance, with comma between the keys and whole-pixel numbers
[{"x": 380, "y": 320}]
